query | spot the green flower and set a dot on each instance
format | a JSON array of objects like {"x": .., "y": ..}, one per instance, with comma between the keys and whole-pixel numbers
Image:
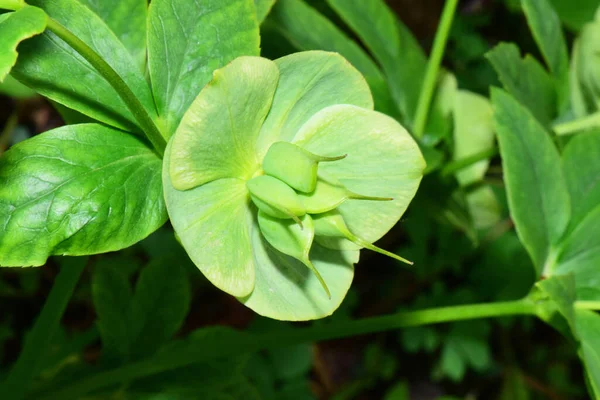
[{"x": 279, "y": 173}]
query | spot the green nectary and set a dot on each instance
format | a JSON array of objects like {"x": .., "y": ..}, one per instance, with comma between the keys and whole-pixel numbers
[{"x": 249, "y": 192}]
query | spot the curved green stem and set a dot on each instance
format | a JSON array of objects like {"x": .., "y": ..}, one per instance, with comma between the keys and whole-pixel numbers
[
  {"x": 433, "y": 67},
  {"x": 129, "y": 98},
  {"x": 46, "y": 325},
  {"x": 589, "y": 121},
  {"x": 457, "y": 165},
  {"x": 231, "y": 343}
]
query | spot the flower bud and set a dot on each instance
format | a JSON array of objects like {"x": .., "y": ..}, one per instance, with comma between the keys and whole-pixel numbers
[
  {"x": 294, "y": 165},
  {"x": 275, "y": 198}
]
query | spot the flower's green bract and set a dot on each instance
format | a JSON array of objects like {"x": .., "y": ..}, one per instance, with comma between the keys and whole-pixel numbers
[{"x": 321, "y": 103}]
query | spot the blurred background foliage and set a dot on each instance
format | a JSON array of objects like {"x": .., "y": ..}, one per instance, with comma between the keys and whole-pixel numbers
[{"x": 463, "y": 253}]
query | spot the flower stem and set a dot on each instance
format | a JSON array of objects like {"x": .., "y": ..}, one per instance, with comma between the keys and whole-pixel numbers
[
  {"x": 587, "y": 122},
  {"x": 433, "y": 67},
  {"x": 44, "y": 330},
  {"x": 114, "y": 79},
  {"x": 232, "y": 343},
  {"x": 457, "y": 165}
]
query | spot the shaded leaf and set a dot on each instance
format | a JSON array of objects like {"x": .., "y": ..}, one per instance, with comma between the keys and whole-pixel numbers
[
  {"x": 537, "y": 191},
  {"x": 588, "y": 328},
  {"x": 526, "y": 80}
]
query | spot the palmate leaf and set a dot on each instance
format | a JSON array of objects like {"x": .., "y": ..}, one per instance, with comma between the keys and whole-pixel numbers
[
  {"x": 76, "y": 190},
  {"x": 14, "y": 28},
  {"x": 215, "y": 219}
]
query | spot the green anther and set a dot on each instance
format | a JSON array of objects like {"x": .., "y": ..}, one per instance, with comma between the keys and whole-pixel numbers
[
  {"x": 330, "y": 193},
  {"x": 290, "y": 239},
  {"x": 294, "y": 165},
  {"x": 331, "y": 224},
  {"x": 275, "y": 198}
]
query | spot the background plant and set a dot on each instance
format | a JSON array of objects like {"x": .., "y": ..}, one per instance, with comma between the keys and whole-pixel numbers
[{"x": 548, "y": 193}]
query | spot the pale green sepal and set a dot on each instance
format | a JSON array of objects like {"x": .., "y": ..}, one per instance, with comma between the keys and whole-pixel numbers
[
  {"x": 310, "y": 81},
  {"x": 16, "y": 27},
  {"x": 213, "y": 224},
  {"x": 275, "y": 198},
  {"x": 288, "y": 238},
  {"x": 330, "y": 193},
  {"x": 217, "y": 135},
  {"x": 294, "y": 165},
  {"x": 383, "y": 159},
  {"x": 331, "y": 224},
  {"x": 286, "y": 290}
]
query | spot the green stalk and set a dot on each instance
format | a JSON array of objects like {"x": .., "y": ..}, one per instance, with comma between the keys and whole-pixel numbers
[
  {"x": 587, "y": 122},
  {"x": 28, "y": 365},
  {"x": 242, "y": 342},
  {"x": 433, "y": 67},
  {"x": 455, "y": 166},
  {"x": 114, "y": 79}
]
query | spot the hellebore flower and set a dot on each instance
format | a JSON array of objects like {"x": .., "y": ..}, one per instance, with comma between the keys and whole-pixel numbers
[{"x": 279, "y": 172}]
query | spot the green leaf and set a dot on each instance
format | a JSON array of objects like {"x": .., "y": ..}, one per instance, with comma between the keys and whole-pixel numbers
[
  {"x": 309, "y": 30},
  {"x": 581, "y": 168},
  {"x": 514, "y": 386},
  {"x": 473, "y": 133},
  {"x": 547, "y": 31},
  {"x": 395, "y": 172},
  {"x": 217, "y": 135},
  {"x": 575, "y": 15},
  {"x": 44, "y": 59},
  {"x": 537, "y": 191},
  {"x": 127, "y": 19},
  {"x": 526, "y": 80},
  {"x": 585, "y": 66},
  {"x": 159, "y": 306},
  {"x": 393, "y": 46},
  {"x": 262, "y": 9},
  {"x": 187, "y": 41},
  {"x": 13, "y": 88},
  {"x": 111, "y": 293},
  {"x": 560, "y": 290},
  {"x": 14, "y": 28},
  {"x": 588, "y": 328},
  {"x": 308, "y": 82},
  {"x": 81, "y": 189}
]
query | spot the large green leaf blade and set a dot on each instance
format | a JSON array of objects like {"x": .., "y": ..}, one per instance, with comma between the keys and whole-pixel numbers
[
  {"x": 383, "y": 160},
  {"x": 81, "y": 189},
  {"x": 307, "y": 29},
  {"x": 308, "y": 82},
  {"x": 575, "y": 15},
  {"x": 14, "y": 28},
  {"x": 547, "y": 31},
  {"x": 263, "y": 7},
  {"x": 44, "y": 59},
  {"x": 393, "y": 46},
  {"x": 127, "y": 19},
  {"x": 537, "y": 192},
  {"x": 526, "y": 80},
  {"x": 187, "y": 41}
]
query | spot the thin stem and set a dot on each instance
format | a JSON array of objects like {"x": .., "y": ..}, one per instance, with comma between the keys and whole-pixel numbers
[
  {"x": 232, "y": 343},
  {"x": 589, "y": 121},
  {"x": 44, "y": 330},
  {"x": 433, "y": 67},
  {"x": 114, "y": 79},
  {"x": 588, "y": 305},
  {"x": 454, "y": 166}
]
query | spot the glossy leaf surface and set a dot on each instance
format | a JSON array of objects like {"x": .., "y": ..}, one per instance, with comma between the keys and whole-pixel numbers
[
  {"x": 187, "y": 41},
  {"x": 81, "y": 189},
  {"x": 14, "y": 28},
  {"x": 43, "y": 59}
]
